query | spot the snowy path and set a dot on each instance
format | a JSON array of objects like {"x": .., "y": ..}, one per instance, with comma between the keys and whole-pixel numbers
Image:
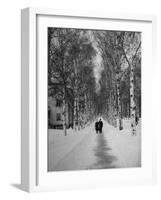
[{"x": 88, "y": 150}]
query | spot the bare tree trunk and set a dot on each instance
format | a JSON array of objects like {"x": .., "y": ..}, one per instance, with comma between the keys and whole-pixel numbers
[
  {"x": 114, "y": 113},
  {"x": 112, "y": 110},
  {"x": 85, "y": 110},
  {"x": 114, "y": 101},
  {"x": 75, "y": 98},
  {"x": 132, "y": 98},
  {"x": 64, "y": 112},
  {"x": 132, "y": 101},
  {"x": 128, "y": 109},
  {"x": 119, "y": 105},
  {"x": 75, "y": 113},
  {"x": 78, "y": 113}
]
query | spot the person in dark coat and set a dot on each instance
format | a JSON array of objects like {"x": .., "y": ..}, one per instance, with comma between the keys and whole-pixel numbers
[
  {"x": 100, "y": 125},
  {"x": 97, "y": 126},
  {"x": 136, "y": 119}
]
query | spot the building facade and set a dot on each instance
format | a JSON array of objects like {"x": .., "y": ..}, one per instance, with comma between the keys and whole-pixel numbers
[{"x": 55, "y": 114}]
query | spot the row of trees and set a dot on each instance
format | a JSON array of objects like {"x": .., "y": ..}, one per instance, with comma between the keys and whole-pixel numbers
[
  {"x": 121, "y": 53},
  {"x": 70, "y": 72},
  {"x": 71, "y": 78}
]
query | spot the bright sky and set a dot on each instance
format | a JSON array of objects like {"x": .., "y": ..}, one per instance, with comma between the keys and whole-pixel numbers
[{"x": 97, "y": 61}]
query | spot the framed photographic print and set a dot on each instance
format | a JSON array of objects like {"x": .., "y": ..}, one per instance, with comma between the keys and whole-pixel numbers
[{"x": 87, "y": 117}]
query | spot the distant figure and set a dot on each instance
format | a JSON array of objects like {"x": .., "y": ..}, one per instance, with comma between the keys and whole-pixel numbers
[
  {"x": 100, "y": 126},
  {"x": 97, "y": 126}
]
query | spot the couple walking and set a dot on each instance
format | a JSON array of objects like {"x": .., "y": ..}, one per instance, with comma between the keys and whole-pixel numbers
[{"x": 99, "y": 126}]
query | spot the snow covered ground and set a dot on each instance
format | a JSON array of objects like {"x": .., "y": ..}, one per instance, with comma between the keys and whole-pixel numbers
[
  {"x": 71, "y": 152},
  {"x": 125, "y": 147},
  {"x": 87, "y": 150}
]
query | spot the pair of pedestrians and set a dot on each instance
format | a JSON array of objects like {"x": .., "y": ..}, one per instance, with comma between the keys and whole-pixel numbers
[{"x": 99, "y": 126}]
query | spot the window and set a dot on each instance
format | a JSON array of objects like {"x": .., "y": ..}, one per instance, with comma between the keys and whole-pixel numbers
[
  {"x": 58, "y": 103},
  {"x": 58, "y": 117}
]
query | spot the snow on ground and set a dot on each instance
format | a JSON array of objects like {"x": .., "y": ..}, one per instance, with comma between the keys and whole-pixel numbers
[
  {"x": 75, "y": 143},
  {"x": 87, "y": 150},
  {"x": 126, "y": 147}
]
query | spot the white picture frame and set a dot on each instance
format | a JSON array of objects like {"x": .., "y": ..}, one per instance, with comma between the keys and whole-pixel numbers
[{"x": 31, "y": 140}]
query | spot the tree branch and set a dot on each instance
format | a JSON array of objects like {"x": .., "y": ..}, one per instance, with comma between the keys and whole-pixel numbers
[
  {"x": 127, "y": 60},
  {"x": 136, "y": 51}
]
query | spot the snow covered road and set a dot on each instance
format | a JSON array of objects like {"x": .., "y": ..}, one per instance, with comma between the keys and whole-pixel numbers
[{"x": 87, "y": 150}]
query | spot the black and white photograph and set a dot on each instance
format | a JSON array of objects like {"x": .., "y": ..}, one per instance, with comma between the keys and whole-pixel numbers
[{"x": 94, "y": 99}]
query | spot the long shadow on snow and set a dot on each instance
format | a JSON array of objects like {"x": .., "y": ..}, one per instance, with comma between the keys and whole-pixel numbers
[{"x": 104, "y": 159}]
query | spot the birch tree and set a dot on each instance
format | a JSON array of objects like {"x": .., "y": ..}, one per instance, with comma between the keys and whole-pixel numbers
[{"x": 131, "y": 47}]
